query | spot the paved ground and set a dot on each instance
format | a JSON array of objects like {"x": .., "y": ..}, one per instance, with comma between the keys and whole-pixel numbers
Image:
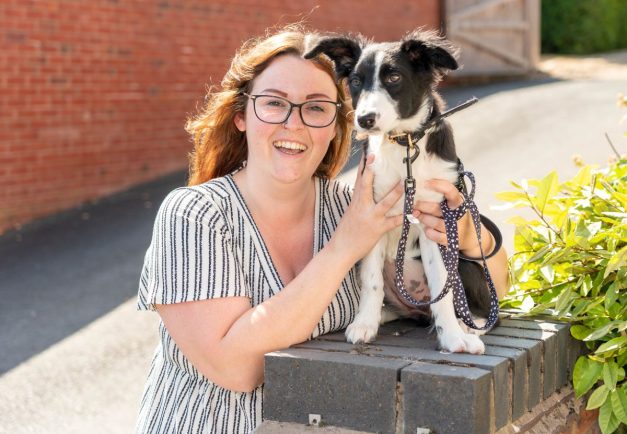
[{"x": 74, "y": 353}]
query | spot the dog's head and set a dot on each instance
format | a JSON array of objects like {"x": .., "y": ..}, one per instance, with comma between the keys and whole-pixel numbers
[{"x": 391, "y": 84}]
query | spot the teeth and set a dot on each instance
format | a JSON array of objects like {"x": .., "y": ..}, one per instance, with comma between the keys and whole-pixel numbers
[{"x": 290, "y": 145}]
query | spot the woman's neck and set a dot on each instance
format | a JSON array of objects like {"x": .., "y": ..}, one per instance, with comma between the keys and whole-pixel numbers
[{"x": 276, "y": 202}]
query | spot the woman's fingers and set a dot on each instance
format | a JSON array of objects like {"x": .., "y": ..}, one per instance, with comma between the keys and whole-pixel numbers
[
  {"x": 365, "y": 178},
  {"x": 391, "y": 198},
  {"x": 432, "y": 208},
  {"x": 394, "y": 221},
  {"x": 437, "y": 236},
  {"x": 432, "y": 222},
  {"x": 451, "y": 193}
]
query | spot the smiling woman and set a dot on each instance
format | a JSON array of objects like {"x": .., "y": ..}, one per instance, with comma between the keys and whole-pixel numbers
[
  {"x": 258, "y": 252},
  {"x": 274, "y": 132}
]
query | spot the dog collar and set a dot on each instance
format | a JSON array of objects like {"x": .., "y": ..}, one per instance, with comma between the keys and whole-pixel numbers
[{"x": 410, "y": 139}]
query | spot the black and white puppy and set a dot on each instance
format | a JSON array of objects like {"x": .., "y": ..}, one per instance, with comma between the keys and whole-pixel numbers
[{"x": 392, "y": 86}]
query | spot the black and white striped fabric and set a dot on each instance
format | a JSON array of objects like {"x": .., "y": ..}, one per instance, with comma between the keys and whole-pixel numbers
[{"x": 205, "y": 245}]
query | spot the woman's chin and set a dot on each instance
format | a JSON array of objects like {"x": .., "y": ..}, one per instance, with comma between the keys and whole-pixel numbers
[
  {"x": 291, "y": 173},
  {"x": 289, "y": 176}
]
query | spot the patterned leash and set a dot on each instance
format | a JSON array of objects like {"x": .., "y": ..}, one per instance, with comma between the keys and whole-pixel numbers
[{"x": 450, "y": 254}]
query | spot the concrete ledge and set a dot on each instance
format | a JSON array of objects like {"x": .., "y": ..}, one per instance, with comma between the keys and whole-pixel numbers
[{"x": 402, "y": 383}]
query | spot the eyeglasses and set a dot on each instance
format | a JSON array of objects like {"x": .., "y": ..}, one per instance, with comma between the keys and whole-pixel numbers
[{"x": 276, "y": 110}]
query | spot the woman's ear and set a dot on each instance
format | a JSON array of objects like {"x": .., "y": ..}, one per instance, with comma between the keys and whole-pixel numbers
[{"x": 240, "y": 121}]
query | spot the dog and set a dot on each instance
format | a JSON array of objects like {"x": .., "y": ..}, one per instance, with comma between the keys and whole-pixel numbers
[{"x": 392, "y": 86}]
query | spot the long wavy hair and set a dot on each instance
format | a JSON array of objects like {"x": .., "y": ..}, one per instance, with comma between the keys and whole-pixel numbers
[{"x": 219, "y": 147}]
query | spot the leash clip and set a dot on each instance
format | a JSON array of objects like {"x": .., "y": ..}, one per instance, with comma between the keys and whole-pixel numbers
[{"x": 410, "y": 183}]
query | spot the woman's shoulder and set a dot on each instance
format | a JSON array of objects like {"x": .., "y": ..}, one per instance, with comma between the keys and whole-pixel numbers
[{"x": 199, "y": 201}]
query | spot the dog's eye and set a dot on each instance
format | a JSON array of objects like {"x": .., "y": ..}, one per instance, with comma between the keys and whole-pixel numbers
[
  {"x": 355, "y": 82},
  {"x": 393, "y": 78}
]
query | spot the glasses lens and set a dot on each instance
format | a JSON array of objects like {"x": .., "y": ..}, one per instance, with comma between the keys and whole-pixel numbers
[
  {"x": 271, "y": 109},
  {"x": 275, "y": 110},
  {"x": 318, "y": 113}
]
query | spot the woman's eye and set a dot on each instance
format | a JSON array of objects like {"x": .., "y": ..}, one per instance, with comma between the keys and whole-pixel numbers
[
  {"x": 394, "y": 78},
  {"x": 316, "y": 108},
  {"x": 355, "y": 82},
  {"x": 274, "y": 103}
]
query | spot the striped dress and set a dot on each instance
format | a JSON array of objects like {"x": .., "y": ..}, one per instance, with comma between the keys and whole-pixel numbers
[{"x": 205, "y": 244}]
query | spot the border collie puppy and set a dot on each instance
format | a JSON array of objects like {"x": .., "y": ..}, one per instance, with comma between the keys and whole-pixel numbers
[{"x": 392, "y": 86}]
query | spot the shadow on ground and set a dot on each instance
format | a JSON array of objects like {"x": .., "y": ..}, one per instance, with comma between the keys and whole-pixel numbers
[{"x": 59, "y": 275}]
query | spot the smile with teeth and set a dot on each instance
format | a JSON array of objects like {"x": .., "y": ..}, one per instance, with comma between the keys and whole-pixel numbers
[{"x": 289, "y": 147}]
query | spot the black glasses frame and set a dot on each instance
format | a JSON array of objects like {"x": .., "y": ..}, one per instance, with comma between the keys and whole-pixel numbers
[{"x": 292, "y": 105}]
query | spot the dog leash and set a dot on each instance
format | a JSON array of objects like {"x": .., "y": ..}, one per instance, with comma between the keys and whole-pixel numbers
[{"x": 450, "y": 254}]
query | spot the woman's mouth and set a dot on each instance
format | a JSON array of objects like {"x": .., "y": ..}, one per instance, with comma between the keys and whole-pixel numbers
[{"x": 290, "y": 148}]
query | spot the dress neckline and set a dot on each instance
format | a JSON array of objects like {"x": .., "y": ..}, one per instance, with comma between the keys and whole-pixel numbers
[{"x": 261, "y": 245}]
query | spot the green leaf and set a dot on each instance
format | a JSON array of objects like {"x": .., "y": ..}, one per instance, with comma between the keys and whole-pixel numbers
[
  {"x": 610, "y": 296},
  {"x": 583, "y": 177},
  {"x": 619, "y": 404},
  {"x": 511, "y": 196},
  {"x": 585, "y": 375},
  {"x": 600, "y": 332},
  {"x": 610, "y": 375},
  {"x": 564, "y": 301},
  {"x": 611, "y": 345},
  {"x": 579, "y": 331},
  {"x": 548, "y": 273},
  {"x": 586, "y": 285},
  {"x": 598, "y": 397},
  {"x": 517, "y": 221},
  {"x": 617, "y": 261},
  {"x": 527, "y": 304},
  {"x": 540, "y": 253},
  {"x": 546, "y": 190},
  {"x": 607, "y": 420}
]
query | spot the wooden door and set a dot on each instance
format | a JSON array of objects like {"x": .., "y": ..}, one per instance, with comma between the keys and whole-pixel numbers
[{"x": 497, "y": 37}]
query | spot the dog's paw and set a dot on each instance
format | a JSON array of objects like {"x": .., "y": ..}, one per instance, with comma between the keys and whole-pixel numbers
[
  {"x": 474, "y": 345},
  {"x": 361, "y": 332},
  {"x": 461, "y": 343},
  {"x": 479, "y": 322}
]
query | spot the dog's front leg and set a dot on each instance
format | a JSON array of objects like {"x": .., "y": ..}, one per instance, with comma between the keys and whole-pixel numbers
[
  {"x": 366, "y": 323},
  {"x": 450, "y": 335}
]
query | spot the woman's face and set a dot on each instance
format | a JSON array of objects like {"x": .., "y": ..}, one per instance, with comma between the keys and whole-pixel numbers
[{"x": 292, "y": 151}]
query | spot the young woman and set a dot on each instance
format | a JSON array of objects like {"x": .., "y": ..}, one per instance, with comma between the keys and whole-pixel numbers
[{"x": 258, "y": 252}]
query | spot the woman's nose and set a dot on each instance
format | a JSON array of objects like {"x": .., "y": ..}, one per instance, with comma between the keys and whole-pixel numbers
[{"x": 294, "y": 120}]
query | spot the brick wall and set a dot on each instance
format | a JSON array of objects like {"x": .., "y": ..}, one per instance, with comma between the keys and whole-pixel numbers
[{"x": 94, "y": 94}]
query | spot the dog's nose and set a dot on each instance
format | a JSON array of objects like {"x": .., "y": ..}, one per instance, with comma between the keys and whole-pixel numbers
[{"x": 367, "y": 121}]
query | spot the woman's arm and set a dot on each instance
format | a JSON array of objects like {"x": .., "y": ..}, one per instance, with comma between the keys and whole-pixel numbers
[
  {"x": 226, "y": 339},
  {"x": 430, "y": 215}
]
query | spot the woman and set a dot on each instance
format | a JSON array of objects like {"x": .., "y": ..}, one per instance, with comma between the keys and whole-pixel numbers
[{"x": 257, "y": 254}]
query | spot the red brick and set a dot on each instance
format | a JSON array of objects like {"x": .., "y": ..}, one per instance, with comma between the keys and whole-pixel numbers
[{"x": 95, "y": 95}]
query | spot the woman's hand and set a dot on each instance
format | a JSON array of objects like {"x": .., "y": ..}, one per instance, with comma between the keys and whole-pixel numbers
[
  {"x": 430, "y": 215},
  {"x": 365, "y": 221}
]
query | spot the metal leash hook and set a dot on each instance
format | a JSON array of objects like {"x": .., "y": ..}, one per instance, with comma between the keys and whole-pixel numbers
[{"x": 410, "y": 182}]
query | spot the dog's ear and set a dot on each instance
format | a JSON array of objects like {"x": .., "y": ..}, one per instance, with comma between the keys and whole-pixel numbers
[
  {"x": 343, "y": 51},
  {"x": 440, "y": 56}
]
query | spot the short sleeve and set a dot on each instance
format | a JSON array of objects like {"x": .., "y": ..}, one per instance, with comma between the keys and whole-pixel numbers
[{"x": 191, "y": 255}]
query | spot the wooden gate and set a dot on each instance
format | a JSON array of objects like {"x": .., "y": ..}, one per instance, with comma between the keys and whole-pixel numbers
[{"x": 497, "y": 37}]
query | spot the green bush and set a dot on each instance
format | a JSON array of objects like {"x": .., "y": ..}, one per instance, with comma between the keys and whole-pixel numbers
[
  {"x": 571, "y": 262},
  {"x": 583, "y": 26}
]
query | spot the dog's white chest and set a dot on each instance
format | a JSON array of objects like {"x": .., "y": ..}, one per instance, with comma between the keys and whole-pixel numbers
[{"x": 389, "y": 170}]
